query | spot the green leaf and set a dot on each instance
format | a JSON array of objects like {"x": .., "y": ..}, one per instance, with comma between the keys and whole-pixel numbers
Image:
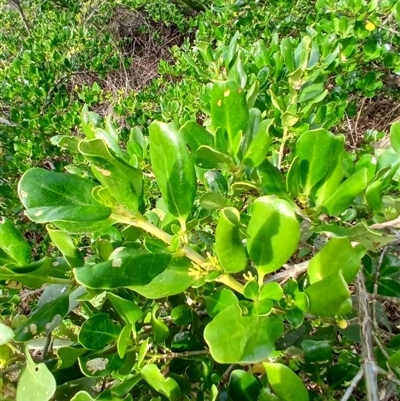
[
  {"x": 6, "y": 334},
  {"x": 36, "y": 382},
  {"x": 251, "y": 339},
  {"x": 335, "y": 172},
  {"x": 124, "y": 271},
  {"x": 327, "y": 295},
  {"x": 302, "y": 52},
  {"x": 272, "y": 182},
  {"x": 113, "y": 172},
  {"x": 337, "y": 254},
  {"x": 229, "y": 111},
  {"x": 13, "y": 243},
  {"x": 271, "y": 291},
  {"x": 341, "y": 199},
  {"x": 97, "y": 332},
  {"x": 310, "y": 92},
  {"x": 273, "y": 233},
  {"x": 373, "y": 195},
  {"x": 212, "y": 201},
  {"x": 243, "y": 386},
  {"x": 54, "y": 197},
  {"x": 314, "y": 149},
  {"x": 293, "y": 180},
  {"x": 33, "y": 275},
  {"x": 160, "y": 329},
  {"x": 317, "y": 351},
  {"x": 208, "y": 157},
  {"x": 228, "y": 244},
  {"x": 128, "y": 310},
  {"x": 287, "y": 53},
  {"x": 175, "y": 279},
  {"x": 65, "y": 244},
  {"x": 285, "y": 383},
  {"x": 195, "y": 136},
  {"x": 174, "y": 169},
  {"x": 395, "y": 136},
  {"x": 123, "y": 340},
  {"x": 220, "y": 300},
  {"x": 165, "y": 386},
  {"x": 181, "y": 315},
  {"x": 43, "y": 319},
  {"x": 259, "y": 145}
]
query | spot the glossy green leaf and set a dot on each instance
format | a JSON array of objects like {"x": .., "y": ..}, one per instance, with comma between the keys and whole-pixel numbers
[
  {"x": 98, "y": 331},
  {"x": 160, "y": 329},
  {"x": 220, "y": 300},
  {"x": 165, "y": 386},
  {"x": 70, "y": 355},
  {"x": 395, "y": 136},
  {"x": 6, "y": 334},
  {"x": 125, "y": 271},
  {"x": 328, "y": 294},
  {"x": 288, "y": 119},
  {"x": 317, "y": 351},
  {"x": 394, "y": 360},
  {"x": 33, "y": 275},
  {"x": 113, "y": 172},
  {"x": 271, "y": 290},
  {"x": 251, "y": 290},
  {"x": 285, "y": 383},
  {"x": 123, "y": 340},
  {"x": 208, "y": 157},
  {"x": 341, "y": 199},
  {"x": 128, "y": 310},
  {"x": 228, "y": 244},
  {"x": 229, "y": 111},
  {"x": 251, "y": 339},
  {"x": 273, "y": 233},
  {"x": 262, "y": 307},
  {"x": 295, "y": 317},
  {"x": 173, "y": 280},
  {"x": 173, "y": 167},
  {"x": 370, "y": 163},
  {"x": 301, "y": 53},
  {"x": 335, "y": 174},
  {"x": 311, "y": 92},
  {"x": 212, "y": 201},
  {"x": 337, "y": 254},
  {"x": 243, "y": 386},
  {"x": 314, "y": 149},
  {"x": 373, "y": 195},
  {"x": 287, "y": 52},
  {"x": 293, "y": 180},
  {"x": 55, "y": 197},
  {"x": 13, "y": 243},
  {"x": 181, "y": 315},
  {"x": 195, "y": 136},
  {"x": 36, "y": 382},
  {"x": 259, "y": 145},
  {"x": 44, "y": 319},
  {"x": 272, "y": 182},
  {"x": 65, "y": 244}
]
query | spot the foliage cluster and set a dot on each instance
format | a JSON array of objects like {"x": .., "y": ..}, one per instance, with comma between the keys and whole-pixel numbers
[{"x": 225, "y": 246}]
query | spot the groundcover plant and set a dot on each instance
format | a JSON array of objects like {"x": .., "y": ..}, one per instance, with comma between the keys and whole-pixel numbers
[{"x": 246, "y": 250}]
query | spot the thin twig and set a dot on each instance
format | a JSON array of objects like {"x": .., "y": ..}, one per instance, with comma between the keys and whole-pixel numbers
[
  {"x": 353, "y": 385},
  {"x": 292, "y": 271}
]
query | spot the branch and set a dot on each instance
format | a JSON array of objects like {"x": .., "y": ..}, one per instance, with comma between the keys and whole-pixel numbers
[
  {"x": 367, "y": 347},
  {"x": 22, "y": 14},
  {"x": 292, "y": 271}
]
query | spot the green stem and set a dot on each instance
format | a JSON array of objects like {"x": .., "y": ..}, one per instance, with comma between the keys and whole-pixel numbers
[
  {"x": 54, "y": 280},
  {"x": 141, "y": 222},
  {"x": 282, "y": 147},
  {"x": 232, "y": 283}
]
